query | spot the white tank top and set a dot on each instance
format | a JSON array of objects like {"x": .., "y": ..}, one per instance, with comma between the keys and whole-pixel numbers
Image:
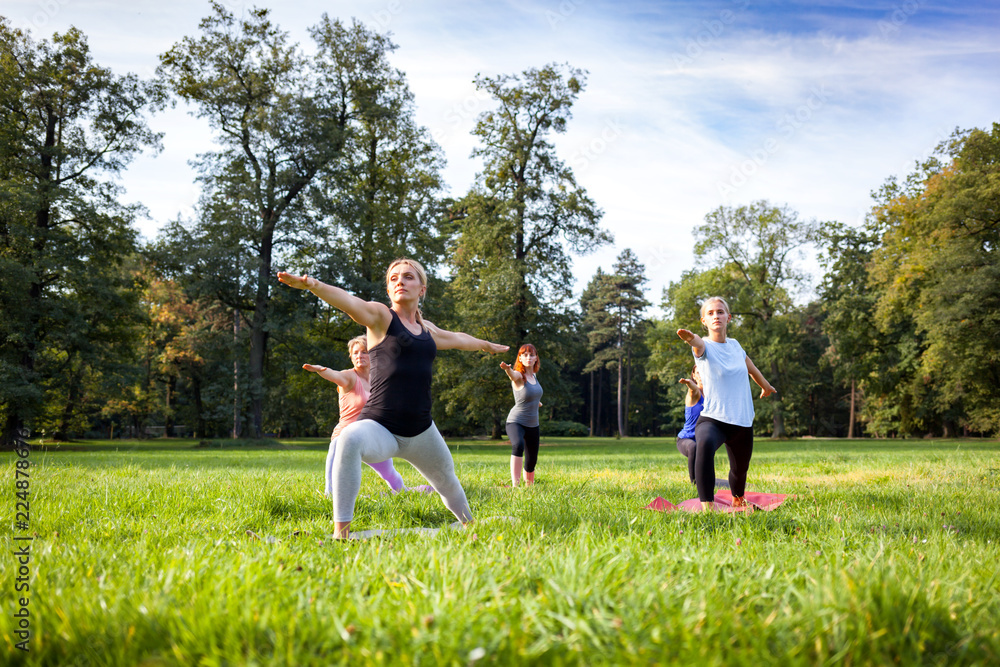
[{"x": 723, "y": 370}]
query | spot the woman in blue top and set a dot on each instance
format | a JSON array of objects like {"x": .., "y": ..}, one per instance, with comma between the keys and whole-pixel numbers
[
  {"x": 727, "y": 416},
  {"x": 693, "y": 404},
  {"x": 522, "y": 420}
]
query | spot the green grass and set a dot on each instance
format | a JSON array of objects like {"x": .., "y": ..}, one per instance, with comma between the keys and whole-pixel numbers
[{"x": 160, "y": 553}]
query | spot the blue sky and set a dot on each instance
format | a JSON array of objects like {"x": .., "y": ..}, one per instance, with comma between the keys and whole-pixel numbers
[{"x": 688, "y": 105}]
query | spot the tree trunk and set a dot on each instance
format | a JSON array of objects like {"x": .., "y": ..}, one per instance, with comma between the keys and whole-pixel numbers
[
  {"x": 168, "y": 417},
  {"x": 11, "y": 430},
  {"x": 592, "y": 434},
  {"x": 259, "y": 333},
  {"x": 258, "y": 345},
  {"x": 367, "y": 254},
  {"x": 72, "y": 398},
  {"x": 600, "y": 395},
  {"x": 521, "y": 304},
  {"x": 628, "y": 389},
  {"x": 778, "y": 419},
  {"x": 813, "y": 416},
  {"x": 17, "y": 411},
  {"x": 850, "y": 423},
  {"x": 621, "y": 425},
  {"x": 236, "y": 374},
  {"x": 199, "y": 408}
]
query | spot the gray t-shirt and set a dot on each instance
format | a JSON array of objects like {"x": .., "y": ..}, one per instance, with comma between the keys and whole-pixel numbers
[{"x": 526, "y": 399}]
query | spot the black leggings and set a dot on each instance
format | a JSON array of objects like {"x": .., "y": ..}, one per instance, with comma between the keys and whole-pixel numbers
[
  {"x": 709, "y": 434},
  {"x": 686, "y": 447},
  {"x": 524, "y": 442}
]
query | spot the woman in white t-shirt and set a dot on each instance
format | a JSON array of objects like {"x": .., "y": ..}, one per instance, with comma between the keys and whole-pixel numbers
[{"x": 728, "y": 413}]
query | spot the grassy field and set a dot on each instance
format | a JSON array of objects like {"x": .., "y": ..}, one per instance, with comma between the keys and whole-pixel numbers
[{"x": 161, "y": 553}]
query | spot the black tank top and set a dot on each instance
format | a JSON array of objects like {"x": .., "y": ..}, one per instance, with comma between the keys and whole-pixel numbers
[{"x": 401, "y": 380}]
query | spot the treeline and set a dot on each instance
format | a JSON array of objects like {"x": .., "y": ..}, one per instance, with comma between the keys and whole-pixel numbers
[{"x": 322, "y": 169}]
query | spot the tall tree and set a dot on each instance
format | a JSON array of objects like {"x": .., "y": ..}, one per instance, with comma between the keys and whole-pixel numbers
[
  {"x": 383, "y": 201},
  {"x": 598, "y": 322},
  {"x": 757, "y": 245},
  {"x": 281, "y": 119},
  {"x": 629, "y": 304},
  {"x": 183, "y": 335},
  {"x": 938, "y": 269},
  {"x": 526, "y": 208},
  {"x": 521, "y": 220},
  {"x": 849, "y": 304},
  {"x": 67, "y": 127},
  {"x": 91, "y": 357},
  {"x": 614, "y": 318}
]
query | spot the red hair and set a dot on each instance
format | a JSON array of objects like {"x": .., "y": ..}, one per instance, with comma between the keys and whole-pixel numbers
[{"x": 527, "y": 347}]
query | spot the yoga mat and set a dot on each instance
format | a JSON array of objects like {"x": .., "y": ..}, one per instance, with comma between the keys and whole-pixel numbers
[{"x": 723, "y": 502}]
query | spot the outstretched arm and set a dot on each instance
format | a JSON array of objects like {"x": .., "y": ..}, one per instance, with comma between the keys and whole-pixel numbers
[
  {"x": 694, "y": 340},
  {"x": 371, "y": 314},
  {"x": 514, "y": 376},
  {"x": 765, "y": 387},
  {"x": 343, "y": 379},
  {"x": 456, "y": 340},
  {"x": 693, "y": 392}
]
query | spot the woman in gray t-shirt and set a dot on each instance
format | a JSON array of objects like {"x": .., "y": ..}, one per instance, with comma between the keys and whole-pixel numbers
[{"x": 522, "y": 420}]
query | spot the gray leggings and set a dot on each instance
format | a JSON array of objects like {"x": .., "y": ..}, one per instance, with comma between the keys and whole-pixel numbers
[{"x": 369, "y": 442}]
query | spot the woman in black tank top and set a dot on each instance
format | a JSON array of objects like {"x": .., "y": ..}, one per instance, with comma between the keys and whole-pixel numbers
[
  {"x": 402, "y": 346},
  {"x": 401, "y": 380}
]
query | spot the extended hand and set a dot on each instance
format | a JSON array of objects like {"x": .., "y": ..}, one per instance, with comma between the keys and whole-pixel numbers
[
  {"x": 685, "y": 335},
  {"x": 298, "y": 282},
  {"x": 495, "y": 348},
  {"x": 504, "y": 365},
  {"x": 691, "y": 384},
  {"x": 314, "y": 369}
]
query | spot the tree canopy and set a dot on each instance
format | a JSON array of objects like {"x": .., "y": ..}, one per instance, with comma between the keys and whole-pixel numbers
[
  {"x": 67, "y": 127},
  {"x": 319, "y": 166}
]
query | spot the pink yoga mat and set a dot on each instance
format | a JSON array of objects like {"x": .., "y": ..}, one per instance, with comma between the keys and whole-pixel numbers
[{"x": 723, "y": 503}]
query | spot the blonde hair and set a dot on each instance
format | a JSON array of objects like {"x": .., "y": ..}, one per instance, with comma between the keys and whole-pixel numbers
[
  {"x": 421, "y": 276},
  {"x": 704, "y": 304},
  {"x": 361, "y": 340}
]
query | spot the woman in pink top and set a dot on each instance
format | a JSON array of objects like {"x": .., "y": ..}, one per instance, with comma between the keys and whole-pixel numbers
[{"x": 353, "y": 388}]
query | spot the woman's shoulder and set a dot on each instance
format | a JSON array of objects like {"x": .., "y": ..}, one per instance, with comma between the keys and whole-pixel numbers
[{"x": 353, "y": 379}]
